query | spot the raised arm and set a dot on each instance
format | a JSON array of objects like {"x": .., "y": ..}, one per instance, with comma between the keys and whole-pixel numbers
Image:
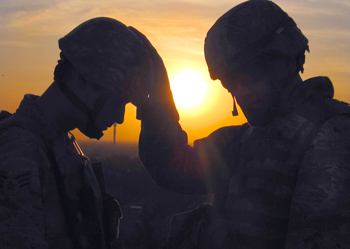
[
  {"x": 175, "y": 165},
  {"x": 163, "y": 145}
]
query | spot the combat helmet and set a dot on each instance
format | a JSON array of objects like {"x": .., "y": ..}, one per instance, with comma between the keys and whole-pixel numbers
[
  {"x": 251, "y": 30},
  {"x": 109, "y": 54}
]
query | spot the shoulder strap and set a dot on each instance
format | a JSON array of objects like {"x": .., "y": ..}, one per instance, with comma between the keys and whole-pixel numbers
[
  {"x": 322, "y": 112},
  {"x": 4, "y": 115},
  {"x": 69, "y": 214}
]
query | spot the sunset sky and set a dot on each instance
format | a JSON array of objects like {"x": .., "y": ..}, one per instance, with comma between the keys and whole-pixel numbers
[{"x": 29, "y": 31}]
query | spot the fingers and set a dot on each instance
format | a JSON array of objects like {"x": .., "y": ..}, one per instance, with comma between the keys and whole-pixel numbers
[
  {"x": 161, "y": 88},
  {"x": 142, "y": 37},
  {"x": 144, "y": 40},
  {"x": 157, "y": 60}
]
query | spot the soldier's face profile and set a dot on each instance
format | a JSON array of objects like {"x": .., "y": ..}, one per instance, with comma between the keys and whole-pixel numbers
[
  {"x": 251, "y": 87},
  {"x": 112, "y": 111}
]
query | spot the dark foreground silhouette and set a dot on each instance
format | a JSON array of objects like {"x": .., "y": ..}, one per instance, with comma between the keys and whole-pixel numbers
[{"x": 147, "y": 208}]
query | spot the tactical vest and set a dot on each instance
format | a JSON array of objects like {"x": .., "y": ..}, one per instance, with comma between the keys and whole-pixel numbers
[
  {"x": 111, "y": 213},
  {"x": 264, "y": 167}
]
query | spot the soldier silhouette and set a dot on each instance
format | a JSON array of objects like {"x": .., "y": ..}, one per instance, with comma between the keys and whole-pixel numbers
[
  {"x": 51, "y": 195},
  {"x": 282, "y": 179}
]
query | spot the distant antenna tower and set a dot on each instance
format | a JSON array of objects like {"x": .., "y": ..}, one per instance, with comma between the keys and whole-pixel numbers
[{"x": 114, "y": 132}]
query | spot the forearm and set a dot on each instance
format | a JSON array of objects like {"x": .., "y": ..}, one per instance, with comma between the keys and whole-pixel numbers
[{"x": 165, "y": 153}]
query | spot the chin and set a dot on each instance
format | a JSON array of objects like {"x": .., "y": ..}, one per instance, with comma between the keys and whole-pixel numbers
[
  {"x": 92, "y": 132},
  {"x": 261, "y": 116}
]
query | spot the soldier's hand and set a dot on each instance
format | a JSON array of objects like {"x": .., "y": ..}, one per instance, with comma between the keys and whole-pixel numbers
[{"x": 160, "y": 92}]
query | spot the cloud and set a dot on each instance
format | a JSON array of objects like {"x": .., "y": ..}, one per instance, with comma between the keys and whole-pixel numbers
[
  {"x": 24, "y": 5},
  {"x": 173, "y": 26},
  {"x": 16, "y": 43},
  {"x": 319, "y": 14},
  {"x": 52, "y": 17},
  {"x": 41, "y": 17},
  {"x": 45, "y": 20}
]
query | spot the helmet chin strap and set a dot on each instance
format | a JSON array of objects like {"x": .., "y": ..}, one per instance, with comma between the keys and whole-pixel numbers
[
  {"x": 279, "y": 88},
  {"x": 90, "y": 130}
]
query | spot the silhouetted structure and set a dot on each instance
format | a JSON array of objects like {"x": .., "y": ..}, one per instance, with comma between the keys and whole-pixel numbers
[{"x": 114, "y": 132}]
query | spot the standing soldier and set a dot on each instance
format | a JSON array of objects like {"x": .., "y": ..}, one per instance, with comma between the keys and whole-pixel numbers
[
  {"x": 281, "y": 180},
  {"x": 51, "y": 195}
]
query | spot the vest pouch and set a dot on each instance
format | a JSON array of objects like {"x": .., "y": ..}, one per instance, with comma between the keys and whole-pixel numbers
[
  {"x": 187, "y": 228},
  {"x": 111, "y": 218},
  {"x": 112, "y": 212}
]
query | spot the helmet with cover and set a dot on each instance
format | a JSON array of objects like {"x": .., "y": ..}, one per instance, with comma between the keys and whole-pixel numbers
[
  {"x": 108, "y": 54},
  {"x": 249, "y": 32}
]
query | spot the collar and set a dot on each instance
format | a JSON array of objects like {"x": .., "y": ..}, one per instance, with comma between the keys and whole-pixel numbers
[
  {"x": 295, "y": 96},
  {"x": 29, "y": 115}
]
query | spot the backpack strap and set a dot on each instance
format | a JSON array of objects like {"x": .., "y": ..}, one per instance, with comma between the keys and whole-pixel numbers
[
  {"x": 69, "y": 214},
  {"x": 323, "y": 110}
]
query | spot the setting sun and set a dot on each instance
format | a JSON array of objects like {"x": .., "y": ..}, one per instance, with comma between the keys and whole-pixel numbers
[{"x": 188, "y": 87}]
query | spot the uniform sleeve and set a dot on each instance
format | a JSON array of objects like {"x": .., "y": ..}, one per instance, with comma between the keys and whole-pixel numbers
[
  {"x": 172, "y": 163},
  {"x": 21, "y": 207},
  {"x": 320, "y": 212}
]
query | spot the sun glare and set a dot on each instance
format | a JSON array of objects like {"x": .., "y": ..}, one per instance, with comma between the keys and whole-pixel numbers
[{"x": 188, "y": 87}]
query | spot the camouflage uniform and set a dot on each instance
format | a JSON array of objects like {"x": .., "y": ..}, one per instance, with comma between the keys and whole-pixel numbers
[
  {"x": 32, "y": 203},
  {"x": 283, "y": 185}
]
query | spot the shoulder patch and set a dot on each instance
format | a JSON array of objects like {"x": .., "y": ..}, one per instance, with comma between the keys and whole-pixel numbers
[
  {"x": 13, "y": 185},
  {"x": 10, "y": 240}
]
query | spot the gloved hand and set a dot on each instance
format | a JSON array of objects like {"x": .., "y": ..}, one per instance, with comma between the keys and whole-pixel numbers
[{"x": 160, "y": 93}]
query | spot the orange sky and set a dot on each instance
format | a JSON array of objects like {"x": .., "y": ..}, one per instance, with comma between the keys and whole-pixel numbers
[{"x": 29, "y": 32}]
